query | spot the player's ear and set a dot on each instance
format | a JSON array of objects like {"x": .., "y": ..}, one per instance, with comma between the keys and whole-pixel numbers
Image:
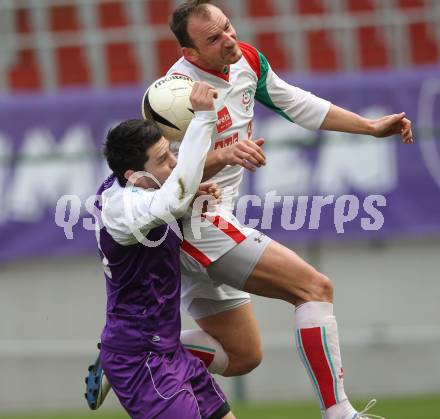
[{"x": 190, "y": 54}]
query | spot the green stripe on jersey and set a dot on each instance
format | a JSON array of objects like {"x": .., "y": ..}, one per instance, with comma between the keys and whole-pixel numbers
[{"x": 262, "y": 94}]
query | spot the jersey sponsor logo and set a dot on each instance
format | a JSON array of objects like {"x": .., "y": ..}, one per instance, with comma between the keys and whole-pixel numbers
[
  {"x": 224, "y": 120},
  {"x": 174, "y": 76},
  {"x": 226, "y": 142},
  {"x": 248, "y": 95}
]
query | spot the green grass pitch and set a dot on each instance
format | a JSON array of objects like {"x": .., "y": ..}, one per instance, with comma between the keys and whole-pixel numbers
[{"x": 397, "y": 408}]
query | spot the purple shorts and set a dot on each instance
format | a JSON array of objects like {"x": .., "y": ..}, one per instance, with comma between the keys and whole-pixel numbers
[{"x": 166, "y": 386}]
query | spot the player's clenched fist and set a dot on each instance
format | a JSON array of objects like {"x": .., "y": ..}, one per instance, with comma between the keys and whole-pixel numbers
[
  {"x": 202, "y": 96},
  {"x": 208, "y": 195}
]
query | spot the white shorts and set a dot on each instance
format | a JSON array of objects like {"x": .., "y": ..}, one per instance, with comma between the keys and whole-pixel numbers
[{"x": 217, "y": 287}]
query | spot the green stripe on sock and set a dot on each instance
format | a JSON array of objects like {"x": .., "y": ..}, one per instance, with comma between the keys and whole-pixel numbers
[
  {"x": 329, "y": 358},
  {"x": 200, "y": 348},
  {"x": 308, "y": 367}
]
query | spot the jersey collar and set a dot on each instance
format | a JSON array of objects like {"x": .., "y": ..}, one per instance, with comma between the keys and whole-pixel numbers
[{"x": 223, "y": 75}]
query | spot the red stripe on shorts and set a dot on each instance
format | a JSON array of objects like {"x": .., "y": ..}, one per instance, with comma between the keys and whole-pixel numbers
[
  {"x": 314, "y": 350},
  {"x": 196, "y": 253},
  {"x": 227, "y": 228}
]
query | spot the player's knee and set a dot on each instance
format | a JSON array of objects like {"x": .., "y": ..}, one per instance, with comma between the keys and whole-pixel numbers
[
  {"x": 244, "y": 362},
  {"x": 250, "y": 362},
  {"x": 327, "y": 288},
  {"x": 322, "y": 288},
  {"x": 254, "y": 360}
]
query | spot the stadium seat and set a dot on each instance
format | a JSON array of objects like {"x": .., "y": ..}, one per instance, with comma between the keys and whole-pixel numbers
[
  {"x": 321, "y": 51},
  {"x": 112, "y": 15},
  {"x": 167, "y": 50},
  {"x": 167, "y": 53},
  {"x": 158, "y": 11},
  {"x": 371, "y": 43},
  {"x": 72, "y": 66},
  {"x": 122, "y": 66},
  {"x": 71, "y": 62},
  {"x": 355, "y": 6},
  {"x": 424, "y": 48},
  {"x": 411, "y": 4},
  {"x": 373, "y": 52},
  {"x": 271, "y": 45},
  {"x": 310, "y": 7},
  {"x": 24, "y": 73},
  {"x": 63, "y": 18},
  {"x": 261, "y": 8},
  {"x": 22, "y": 21},
  {"x": 322, "y": 54}
]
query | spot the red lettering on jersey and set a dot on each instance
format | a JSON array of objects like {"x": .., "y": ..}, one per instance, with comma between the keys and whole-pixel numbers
[
  {"x": 218, "y": 144},
  {"x": 226, "y": 142},
  {"x": 224, "y": 120},
  {"x": 183, "y": 75},
  {"x": 249, "y": 130}
]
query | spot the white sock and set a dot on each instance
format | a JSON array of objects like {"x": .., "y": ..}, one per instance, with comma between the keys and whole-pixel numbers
[
  {"x": 317, "y": 341},
  {"x": 208, "y": 349}
]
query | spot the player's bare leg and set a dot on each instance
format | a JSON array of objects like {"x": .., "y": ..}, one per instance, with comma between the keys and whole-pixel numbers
[
  {"x": 237, "y": 331},
  {"x": 280, "y": 273}
]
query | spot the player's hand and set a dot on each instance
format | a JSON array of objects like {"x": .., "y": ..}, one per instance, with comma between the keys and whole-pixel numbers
[
  {"x": 246, "y": 153},
  {"x": 211, "y": 189},
  {"x": 202, "y": 96},
  {"x": 392, "y": 125},
  {"x": 208, "y": 195}
]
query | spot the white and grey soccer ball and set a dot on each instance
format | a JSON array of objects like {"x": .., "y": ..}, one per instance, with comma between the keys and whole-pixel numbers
[{"x": 167, "y": 102}]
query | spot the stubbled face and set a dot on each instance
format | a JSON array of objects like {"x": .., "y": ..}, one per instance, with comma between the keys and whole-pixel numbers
[
  {"x": 161, "y": 161},
  {"x": 215, "y": 40}
]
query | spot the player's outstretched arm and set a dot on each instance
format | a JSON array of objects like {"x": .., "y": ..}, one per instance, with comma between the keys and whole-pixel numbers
[
  {"x": 312, "y": 112},
  {"x": 339, "y": 119}
]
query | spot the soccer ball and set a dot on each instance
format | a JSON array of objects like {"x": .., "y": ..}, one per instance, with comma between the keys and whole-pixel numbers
[{"x": 167, "y": 102}]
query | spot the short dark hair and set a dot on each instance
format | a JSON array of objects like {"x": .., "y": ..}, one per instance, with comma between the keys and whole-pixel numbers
[
  {"x": 127, "y": 144},
  {"x": 180, "y": 16}
]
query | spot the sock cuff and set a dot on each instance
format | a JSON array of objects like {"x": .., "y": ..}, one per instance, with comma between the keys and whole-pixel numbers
[
  {"x": 313, "y": 314},
  {"x": 200, "y": 342}
]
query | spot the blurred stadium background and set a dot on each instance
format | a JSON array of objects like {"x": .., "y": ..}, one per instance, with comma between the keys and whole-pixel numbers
[{"x": 69, "y": 69}]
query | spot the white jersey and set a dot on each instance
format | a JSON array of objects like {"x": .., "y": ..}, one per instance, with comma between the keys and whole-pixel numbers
[
  {"x": 250, "y": 79},
  {"x": 130, "y": 213}
]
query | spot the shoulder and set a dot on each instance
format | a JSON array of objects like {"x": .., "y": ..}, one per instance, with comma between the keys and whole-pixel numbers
[
  {"x": 112, "y": 202},
  {"x": 252, "y": 56},
  {"x": 181, "y": 68},
  {"x": 122, "y": 208}
]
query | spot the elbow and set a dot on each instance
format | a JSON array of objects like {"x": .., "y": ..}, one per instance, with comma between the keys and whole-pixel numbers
[
  {"x": 180, "y": 212},
  {"x": 182, "y": 207}
]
